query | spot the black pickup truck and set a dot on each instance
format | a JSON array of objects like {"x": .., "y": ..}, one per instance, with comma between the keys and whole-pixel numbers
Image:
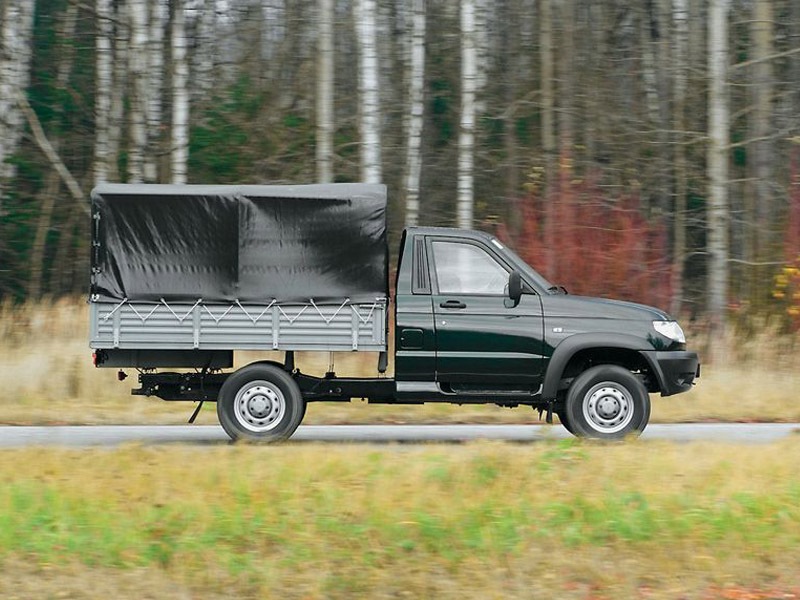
[{"x": 473, "y": 323}]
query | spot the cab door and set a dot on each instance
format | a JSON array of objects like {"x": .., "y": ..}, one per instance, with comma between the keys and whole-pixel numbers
[{"x": 483, "y": 340}]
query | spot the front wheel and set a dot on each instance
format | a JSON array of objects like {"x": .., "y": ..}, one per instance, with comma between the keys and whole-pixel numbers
[
  {"x": 261, "y": 403},
  {"x": 607, "y": 402}
]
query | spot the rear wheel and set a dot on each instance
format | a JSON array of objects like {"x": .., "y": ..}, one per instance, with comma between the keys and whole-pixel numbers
[
  {"x": 260, "y": 402},
  {"x": 607, "y": 402}
]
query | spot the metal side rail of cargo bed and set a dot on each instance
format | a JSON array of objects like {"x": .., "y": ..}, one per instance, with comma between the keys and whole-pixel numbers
[{"x": 302, "y": 326}]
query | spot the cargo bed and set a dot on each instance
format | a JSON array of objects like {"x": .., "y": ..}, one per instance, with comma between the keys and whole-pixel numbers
[{"x": 309, "y": 326}]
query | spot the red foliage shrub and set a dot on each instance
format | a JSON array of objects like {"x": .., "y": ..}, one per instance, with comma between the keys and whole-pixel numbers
[
  {"x": 791, "y": 240},
  {"x": 593, "y": 244}
]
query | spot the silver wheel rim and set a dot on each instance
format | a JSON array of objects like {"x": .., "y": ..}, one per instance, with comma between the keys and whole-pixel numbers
[
  {"x": 259, "y": 406},
  {"x": 608, "y": 407}
]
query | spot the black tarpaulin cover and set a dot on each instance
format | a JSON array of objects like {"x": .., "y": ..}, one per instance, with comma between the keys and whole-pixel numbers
[{"x": 246, "y": 243}]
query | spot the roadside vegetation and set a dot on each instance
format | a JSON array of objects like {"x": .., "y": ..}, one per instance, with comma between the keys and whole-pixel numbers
[
  {"x": 47, "y": 377},
  {"x": 566, "y": 519},
  {"x": 555, "y": 519}
]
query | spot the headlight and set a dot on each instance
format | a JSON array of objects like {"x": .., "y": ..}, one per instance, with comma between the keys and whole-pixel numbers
[{"x": 671, "y": 330}]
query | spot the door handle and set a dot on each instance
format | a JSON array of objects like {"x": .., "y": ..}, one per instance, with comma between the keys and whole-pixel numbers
[{"x": 453, "y": 304}]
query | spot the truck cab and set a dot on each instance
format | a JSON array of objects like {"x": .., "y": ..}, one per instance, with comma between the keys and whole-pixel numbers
[{"x": 474, "y": 322}]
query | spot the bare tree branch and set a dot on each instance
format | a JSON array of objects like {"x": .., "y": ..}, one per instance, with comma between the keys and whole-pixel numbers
[
  {"x": 755, "y": 61},
  {"x": 51, "y": 154}
]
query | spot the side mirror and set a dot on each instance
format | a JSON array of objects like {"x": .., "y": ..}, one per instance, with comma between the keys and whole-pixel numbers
[{"x": 515, "y": 286}]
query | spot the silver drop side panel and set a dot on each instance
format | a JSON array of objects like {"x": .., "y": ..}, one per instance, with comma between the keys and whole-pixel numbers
[{"x": 307, "y": 326}]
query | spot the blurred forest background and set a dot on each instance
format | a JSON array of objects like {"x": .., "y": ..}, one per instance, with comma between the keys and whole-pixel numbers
[{"x": 646, "y": 150}]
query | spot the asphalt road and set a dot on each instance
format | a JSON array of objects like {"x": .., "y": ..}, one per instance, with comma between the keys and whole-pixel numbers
[{"x": 85, "y": 436}]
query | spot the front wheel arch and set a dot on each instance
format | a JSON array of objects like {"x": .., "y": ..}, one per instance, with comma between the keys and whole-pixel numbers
[{"x": 625, "y": 350}]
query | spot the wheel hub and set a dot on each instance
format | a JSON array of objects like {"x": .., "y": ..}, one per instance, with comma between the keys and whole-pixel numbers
[
  {"x": 259, "y": 406},
  {"x": 608, "y": 407}
]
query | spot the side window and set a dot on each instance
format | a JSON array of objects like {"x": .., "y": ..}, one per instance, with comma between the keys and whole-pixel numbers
[{"x": 467, "y": 269}]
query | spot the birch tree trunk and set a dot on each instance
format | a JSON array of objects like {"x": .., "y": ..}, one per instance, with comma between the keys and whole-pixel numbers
[
  {"x": 680, "y": 20},
  {"x": 718, "y": 216},
  {"x": 15, "y": 62},
  {"x": 325, "y": 92},
  {"x": 416, "y": 99},
  {"x": 510, "y": 47},
  {"x": 546, "y": 68},
  {"x": 548, "y": 128},
  {"x": 654, "y": 57},
  {"x": 464, "y": 210},
  {"x": 103, "y": 93},
  {"x": 180, "y": 96},
  {"x": 206, "y": 50},
  {"x": 370, "y": 123},
  {"x": 138, "y": 102},
  {"x": 649, "y": 66},
  {"x": 155, "y": 87},
  {"x": 481, "y": 37},
  {"x": 566, "y": 65},
  {"x": 761, "y": 149},
  {"x": 119, "y": 87}
]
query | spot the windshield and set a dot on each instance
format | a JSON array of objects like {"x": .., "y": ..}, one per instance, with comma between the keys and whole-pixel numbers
[{"x": 528, "y": 271}]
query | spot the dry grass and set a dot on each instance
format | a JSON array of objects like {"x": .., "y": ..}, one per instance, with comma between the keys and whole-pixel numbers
[
  {"x": 47, "y": 376},
  {"x": 483, "y": 520}
]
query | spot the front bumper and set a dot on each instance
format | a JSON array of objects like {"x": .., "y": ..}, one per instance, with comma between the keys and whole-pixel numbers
[{"x": 674, "y": 371}]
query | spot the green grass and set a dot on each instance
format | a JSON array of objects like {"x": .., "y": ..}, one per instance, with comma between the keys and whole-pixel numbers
[{"x": 475, "y": 520}]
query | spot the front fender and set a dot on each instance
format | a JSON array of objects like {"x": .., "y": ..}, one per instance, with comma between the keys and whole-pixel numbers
[{"x": 585, "y": 341}]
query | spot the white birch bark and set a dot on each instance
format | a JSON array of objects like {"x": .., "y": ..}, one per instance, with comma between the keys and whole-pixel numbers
[
  {"x": 762, "y": 153},
  {"x": 465, "y": 206},
  {"x": 15, "y": 60},
  {"x": 119, "y": 84},
  {"x": 206, "y": 50},
  {"x": 481, "y": 53},
  {"x": 180, "y": 96},
  {"x": 416, "y": 98},
  {"x": 155, "y": 86},
  {"x": 137, "y": 54},
  {"x": 364, "y": 14},
  {"x": 680, "y": 51},
  {"x": 548, "y": 128},
  {"x": 324, "y": 149},
  {"x": 717, "y": 211},
  {"x": 388, "y": 80},
  {"x": 103, "y": 93}
]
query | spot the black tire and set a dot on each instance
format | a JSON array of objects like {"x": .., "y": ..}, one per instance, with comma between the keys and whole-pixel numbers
[
  {"x": 260, "y": 403},
  {"x": 560, "y": 408},
  {"x": 607, "y": 402},
  {"x": 561, "y": 413}
]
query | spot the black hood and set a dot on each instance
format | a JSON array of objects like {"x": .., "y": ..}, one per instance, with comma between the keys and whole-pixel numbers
[{"x": 601, "y": 308}]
